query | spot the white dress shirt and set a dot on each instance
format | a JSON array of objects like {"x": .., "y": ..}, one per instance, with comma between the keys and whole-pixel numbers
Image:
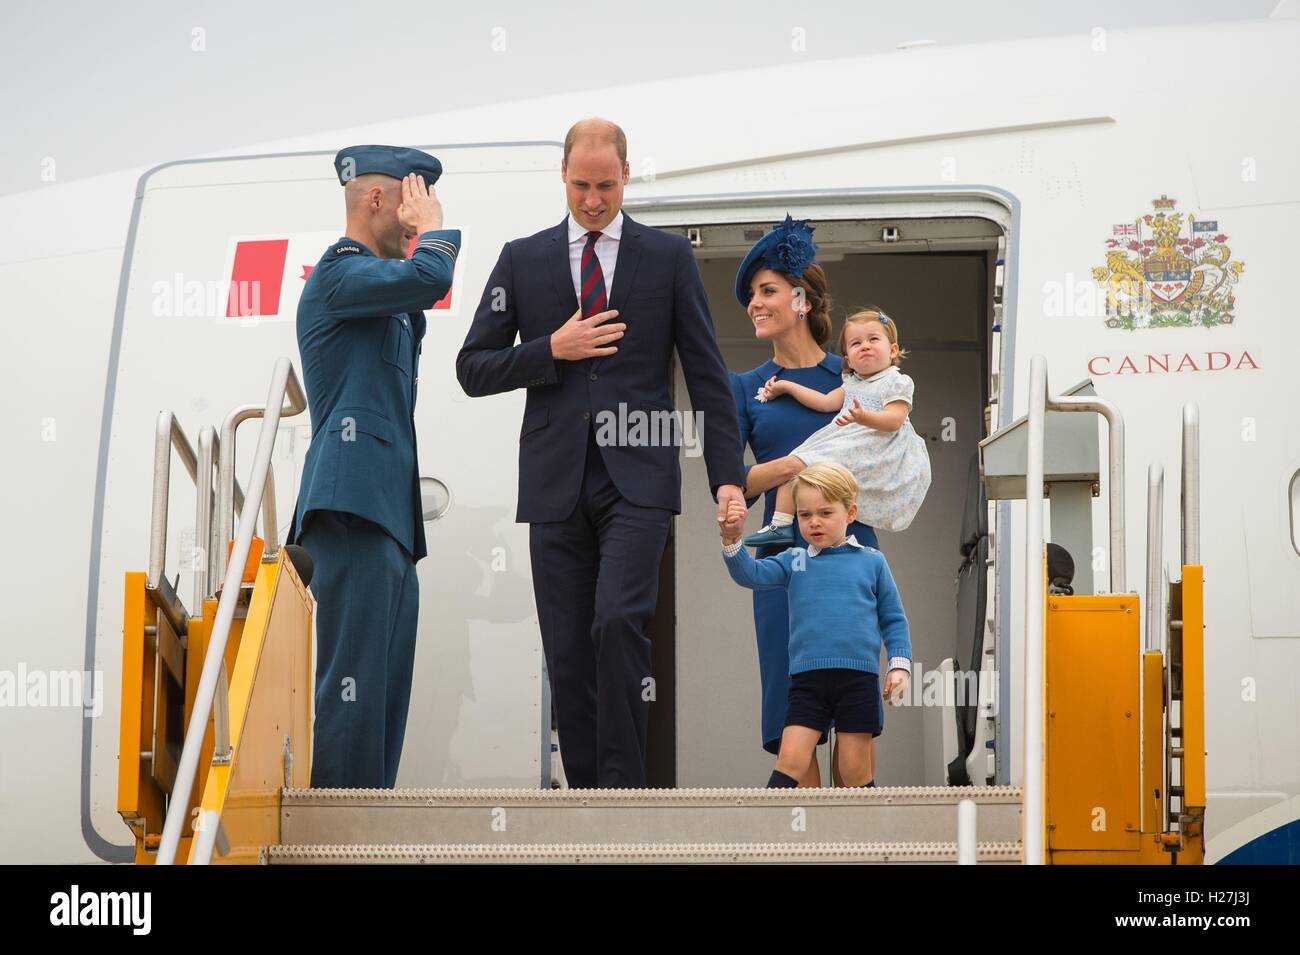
[{"x": 606, "y": 253}]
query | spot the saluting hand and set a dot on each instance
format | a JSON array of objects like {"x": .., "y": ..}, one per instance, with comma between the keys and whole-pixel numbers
[
  {"x": 420, "y": 210},
  {"x": 580, "y": 337}
]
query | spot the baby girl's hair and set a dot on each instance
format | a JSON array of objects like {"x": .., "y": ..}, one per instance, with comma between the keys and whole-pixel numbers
[
  {"x": 871, "y": 313},
  {"x": 835, "y": 481}
]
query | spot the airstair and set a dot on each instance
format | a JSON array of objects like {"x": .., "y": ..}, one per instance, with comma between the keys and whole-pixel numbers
[
  {"x": 216, "y": 710},
  {"x": 641, "y": 825}
]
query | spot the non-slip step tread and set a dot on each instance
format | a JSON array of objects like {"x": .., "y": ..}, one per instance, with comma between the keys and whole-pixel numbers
[
  {"x": 735, "y": 796},
  {"x": 878, "y": 852}
]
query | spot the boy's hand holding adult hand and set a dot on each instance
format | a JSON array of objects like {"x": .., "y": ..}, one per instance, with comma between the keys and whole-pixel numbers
[{"x": 734, "y": 522}]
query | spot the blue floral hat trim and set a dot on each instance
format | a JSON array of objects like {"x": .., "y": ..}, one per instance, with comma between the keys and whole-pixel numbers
[{"x": 788, "y": 247}]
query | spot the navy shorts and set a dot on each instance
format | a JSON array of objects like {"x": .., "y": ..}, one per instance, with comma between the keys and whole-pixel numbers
[{"x": 850, "y": 697}]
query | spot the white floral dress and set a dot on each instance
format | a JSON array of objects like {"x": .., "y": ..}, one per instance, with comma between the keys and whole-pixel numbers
[{"x": 892, "y": 468}]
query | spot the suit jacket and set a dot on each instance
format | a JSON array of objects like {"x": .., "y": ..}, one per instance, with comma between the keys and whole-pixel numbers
[
  {"x": 360, "y": 325},
  {"x": 659, "y": 294}
]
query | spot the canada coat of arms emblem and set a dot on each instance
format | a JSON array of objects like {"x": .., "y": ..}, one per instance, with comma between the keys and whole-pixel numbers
[{"x": 1168, "y": 269}]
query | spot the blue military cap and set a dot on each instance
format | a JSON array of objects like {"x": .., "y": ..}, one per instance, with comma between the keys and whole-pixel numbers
[
  {"x": 395, "y": 161},
  {"x": 787, "y": 248}
]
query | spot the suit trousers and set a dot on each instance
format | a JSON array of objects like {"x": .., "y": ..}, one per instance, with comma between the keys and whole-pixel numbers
[
  {"x": 367, "y": 604},
  {"x": 596, "y": 582}
]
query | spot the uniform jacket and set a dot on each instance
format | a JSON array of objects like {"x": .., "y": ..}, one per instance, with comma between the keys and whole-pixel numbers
[
  {"x": 659, "y": 294},
  {"x": 360, "y": 324}
]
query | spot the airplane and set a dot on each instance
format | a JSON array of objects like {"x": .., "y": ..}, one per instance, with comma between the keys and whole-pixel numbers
[{"x": 1113, "y": 201}]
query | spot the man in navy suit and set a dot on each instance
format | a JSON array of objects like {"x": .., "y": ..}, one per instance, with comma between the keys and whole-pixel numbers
[
  {"x": 599, "y": 497},
  {"x": 360, "y": 323}
]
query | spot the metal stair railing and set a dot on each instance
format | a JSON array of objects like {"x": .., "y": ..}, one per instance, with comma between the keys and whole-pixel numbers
[
  {"x": 1191, "y": 486},
  {"x": 1174, "y": 819},
  {"x": 169, "y": 435},
  {"x": 1041, "y": 401},
  {"x": 284, "y": 383}
]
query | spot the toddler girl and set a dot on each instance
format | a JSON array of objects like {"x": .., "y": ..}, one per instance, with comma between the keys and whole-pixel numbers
[{"x": 872, "y": 435}]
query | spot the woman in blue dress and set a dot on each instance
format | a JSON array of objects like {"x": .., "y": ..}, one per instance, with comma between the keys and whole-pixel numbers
[{"x": 785, "y": 294}]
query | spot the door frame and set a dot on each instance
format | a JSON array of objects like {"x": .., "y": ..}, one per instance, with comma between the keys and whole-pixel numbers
[{"x": 993, "y": 203}]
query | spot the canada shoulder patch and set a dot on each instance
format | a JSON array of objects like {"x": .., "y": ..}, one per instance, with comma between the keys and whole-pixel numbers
[{"x": 347, "y": 249}]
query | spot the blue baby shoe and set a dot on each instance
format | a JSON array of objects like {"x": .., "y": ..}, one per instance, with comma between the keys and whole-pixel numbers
[{"x": 771, "y": 534}]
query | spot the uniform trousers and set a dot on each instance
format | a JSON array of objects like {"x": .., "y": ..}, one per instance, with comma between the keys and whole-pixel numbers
[{"x": 367, "y": 603}]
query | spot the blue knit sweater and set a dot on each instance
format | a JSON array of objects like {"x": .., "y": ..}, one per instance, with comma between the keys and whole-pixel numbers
[{"x": 843, "y": 603}]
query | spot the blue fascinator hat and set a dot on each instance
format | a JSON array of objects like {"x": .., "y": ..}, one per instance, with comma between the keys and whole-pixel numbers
[{"x": 787, "y": 248}]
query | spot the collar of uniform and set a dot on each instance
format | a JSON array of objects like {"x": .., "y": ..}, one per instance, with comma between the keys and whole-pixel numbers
[
  {"x": 814, "y": 550},
  {"x": 612, "y": 231},
  {"x": 347, "y": 245}
]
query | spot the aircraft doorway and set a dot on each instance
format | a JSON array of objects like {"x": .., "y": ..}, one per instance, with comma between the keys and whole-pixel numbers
[{"x": 940, "y": 291}]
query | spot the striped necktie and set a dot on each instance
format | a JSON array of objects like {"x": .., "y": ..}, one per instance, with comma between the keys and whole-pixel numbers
[{"x": 593, "y": 279}]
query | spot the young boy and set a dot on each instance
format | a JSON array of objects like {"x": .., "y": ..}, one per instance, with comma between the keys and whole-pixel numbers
[{"x": 843, "y": 604}]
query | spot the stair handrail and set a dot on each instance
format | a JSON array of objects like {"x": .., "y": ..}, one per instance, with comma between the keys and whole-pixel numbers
[
  {"x": 1157, "y": 622},
  {"x": 209, "y": 835},
  {"x": 1190, "y": 556},
  {"x": 205, "y": 508},
  {"x": 1155, "y": 556},
  {"x": 967, "y": 846},
  {"x": 283, "y": 380},
  {"x": 1191, "y": 485},
  {"x": 168, "y": 435},
  {"x": 296, "y": 403},
  {"x": 1041, "y": 401}
]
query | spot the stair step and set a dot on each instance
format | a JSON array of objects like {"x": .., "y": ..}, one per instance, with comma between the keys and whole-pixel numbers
[
  {"x": 645, "y": 852},
  {"x": 623, "y": 817}
]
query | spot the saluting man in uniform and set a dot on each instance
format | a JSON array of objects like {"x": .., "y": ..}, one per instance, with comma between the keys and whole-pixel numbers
[{"x": 360, "y": 323}]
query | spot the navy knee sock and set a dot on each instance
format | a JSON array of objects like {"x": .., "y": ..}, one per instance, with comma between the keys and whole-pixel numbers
[{"x": 779, "y": 780}]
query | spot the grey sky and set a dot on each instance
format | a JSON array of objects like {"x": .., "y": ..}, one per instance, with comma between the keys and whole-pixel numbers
[{"x": 101, "y": 87}]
